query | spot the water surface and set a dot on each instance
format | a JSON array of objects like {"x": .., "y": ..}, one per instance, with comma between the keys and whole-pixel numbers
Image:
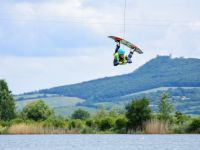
[{"x": 99, "y": 142}]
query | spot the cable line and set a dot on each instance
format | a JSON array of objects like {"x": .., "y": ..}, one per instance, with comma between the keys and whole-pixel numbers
[{"x": 124, "y": 19}]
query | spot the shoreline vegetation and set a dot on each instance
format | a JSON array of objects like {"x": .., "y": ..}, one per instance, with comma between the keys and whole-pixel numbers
[
  {"x": 102, "y": 122},
  {"x": 150, "y": 127},
  {"x": 136, "y": 118}
]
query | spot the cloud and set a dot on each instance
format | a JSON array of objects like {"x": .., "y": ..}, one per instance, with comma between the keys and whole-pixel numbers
[
  {"x": 30, "y": 73},
  {"x": 50, "y": 28},
  {"x": 55, "y": 42}
]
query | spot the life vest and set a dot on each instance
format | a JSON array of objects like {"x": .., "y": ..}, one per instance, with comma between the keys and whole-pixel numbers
[{"x": 116, "y": 56}]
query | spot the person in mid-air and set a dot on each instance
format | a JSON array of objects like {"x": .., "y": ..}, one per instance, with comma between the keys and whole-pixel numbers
[{"x": 120, "y": 58}]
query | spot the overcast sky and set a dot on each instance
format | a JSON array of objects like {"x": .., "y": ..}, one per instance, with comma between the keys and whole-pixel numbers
[{"x": 46, "y": 43}]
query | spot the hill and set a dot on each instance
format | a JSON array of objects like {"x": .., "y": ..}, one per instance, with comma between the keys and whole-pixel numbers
[{"x": 163, "y": 73}]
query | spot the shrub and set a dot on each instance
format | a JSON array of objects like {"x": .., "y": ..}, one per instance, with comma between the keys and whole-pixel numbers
[
  {"x": 138, "y": 111},
  {"x": 5, "y": 123},
  {"x": 180, "y": 118},
  {"x": 88, "y": 130},
  {"x": 106, "y": 123},
  {"x": 55, "y": 123},
  {"x": 179, "y": 129},
  {"x": 165, "y": 108},
  {"x": 80, "y": 114},
  {"x": 17, "y": 121},
  {"x": 90, "y": 123},
  {"x": 121, "y": 124},
  {"x": 194, "y": 126},
  {"x": 37, "y": 110},
  {"x": 3, "y": 130},
  {"x": 77, "y": 124}
]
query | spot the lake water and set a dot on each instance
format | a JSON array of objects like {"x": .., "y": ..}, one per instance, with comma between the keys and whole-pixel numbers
[{"x": 99, "y": 142}]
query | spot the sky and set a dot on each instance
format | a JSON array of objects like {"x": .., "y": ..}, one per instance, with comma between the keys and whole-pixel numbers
[{"x": 48, "y": 43}]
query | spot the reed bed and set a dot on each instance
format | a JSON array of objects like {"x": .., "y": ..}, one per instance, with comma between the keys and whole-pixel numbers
[
  {"x": 156, "y": 127},
  {"x": 38, "y": 129}
]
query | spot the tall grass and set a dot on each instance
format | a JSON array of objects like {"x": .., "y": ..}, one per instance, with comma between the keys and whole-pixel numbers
[
  {"x": 3, "y": 130},
  {"x": 155, "y": 126},
  {"x": 38, "y": 129}
]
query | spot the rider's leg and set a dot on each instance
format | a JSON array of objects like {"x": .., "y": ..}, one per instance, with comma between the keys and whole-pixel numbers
[
  {"x": 130, "y": 56},
  {"x": 117, "y": 47}
]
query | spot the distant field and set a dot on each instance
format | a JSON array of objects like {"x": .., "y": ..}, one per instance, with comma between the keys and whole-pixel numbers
[
  {"x": 157, "y": 89},
  {"x": 33, "y": 96},
  {"x": 53, "y": 102},
  {"x": 68, "y": 110},
  {"x": 185, "y": 99}
]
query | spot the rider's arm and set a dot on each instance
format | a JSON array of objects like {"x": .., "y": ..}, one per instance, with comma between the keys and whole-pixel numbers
[{"x": 115, "y": 62}]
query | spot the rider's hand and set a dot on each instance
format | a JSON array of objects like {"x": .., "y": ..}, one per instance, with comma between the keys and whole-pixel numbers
[{"x": 120, "y": 62}]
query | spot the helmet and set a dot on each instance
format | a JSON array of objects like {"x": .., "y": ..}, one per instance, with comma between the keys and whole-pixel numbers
[{"x": 121, "y": 51}]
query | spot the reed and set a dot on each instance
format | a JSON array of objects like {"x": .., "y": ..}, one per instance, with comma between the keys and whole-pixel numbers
[
  {"x": 3, "y": 130},
  {"x": 38, "y": 129},
  {"x": 155, "y": 126}
]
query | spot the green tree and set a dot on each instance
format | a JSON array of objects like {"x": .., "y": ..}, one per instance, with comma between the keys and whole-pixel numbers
[
  {"x": 7, "y": 103},
  {"x": 106, "y": 123},
  {"x": 115, "y": 112},
  {"x": 77, "y": 124},
  {"x": 55, "y": 122},
  {"x": 194, "y": 126},
  {"x": 90, "y": 123},
  {"x": 37, "y": 110},
  {"x": 180, "y": 118},
  {"x": 165, "y": 108},
  {"x": 101, "y": 113},
  {"x": 80, "y": 114},
  {"x": 138, "y": 111},
  {"x": 121, "y": 124}
]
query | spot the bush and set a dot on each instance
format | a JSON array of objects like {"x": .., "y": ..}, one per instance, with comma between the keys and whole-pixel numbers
[
  {"x": 17, "y": 121},
  {"x": 165, "y": 108},
  {"x": 3, "y": 130},
  {"x": 180, "y": 118},
  {"x": 80, "y": 114},
  {"x": 37, "y": 110},
  {"x": 88, "y": 130},
  {"x": 106, "y": 123},
  {"x": 55, "y": 123},
  {"x": 194, "y": 126},
  {"x": 121, "y": 124},
  {"x": 90, "y": 123},
  {"x": 5, "y": 123},
  {"x": 179, "y": 129},
  {"x": 77, "y": 124},
  {"x": 138, "y": 111}
]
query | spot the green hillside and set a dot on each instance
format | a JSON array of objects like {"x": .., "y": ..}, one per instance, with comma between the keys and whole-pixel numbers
[
  {"x": 185, "y": 99},
  {"x": 159, "y": 74},
  {"x": 162, "y": 71}
]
